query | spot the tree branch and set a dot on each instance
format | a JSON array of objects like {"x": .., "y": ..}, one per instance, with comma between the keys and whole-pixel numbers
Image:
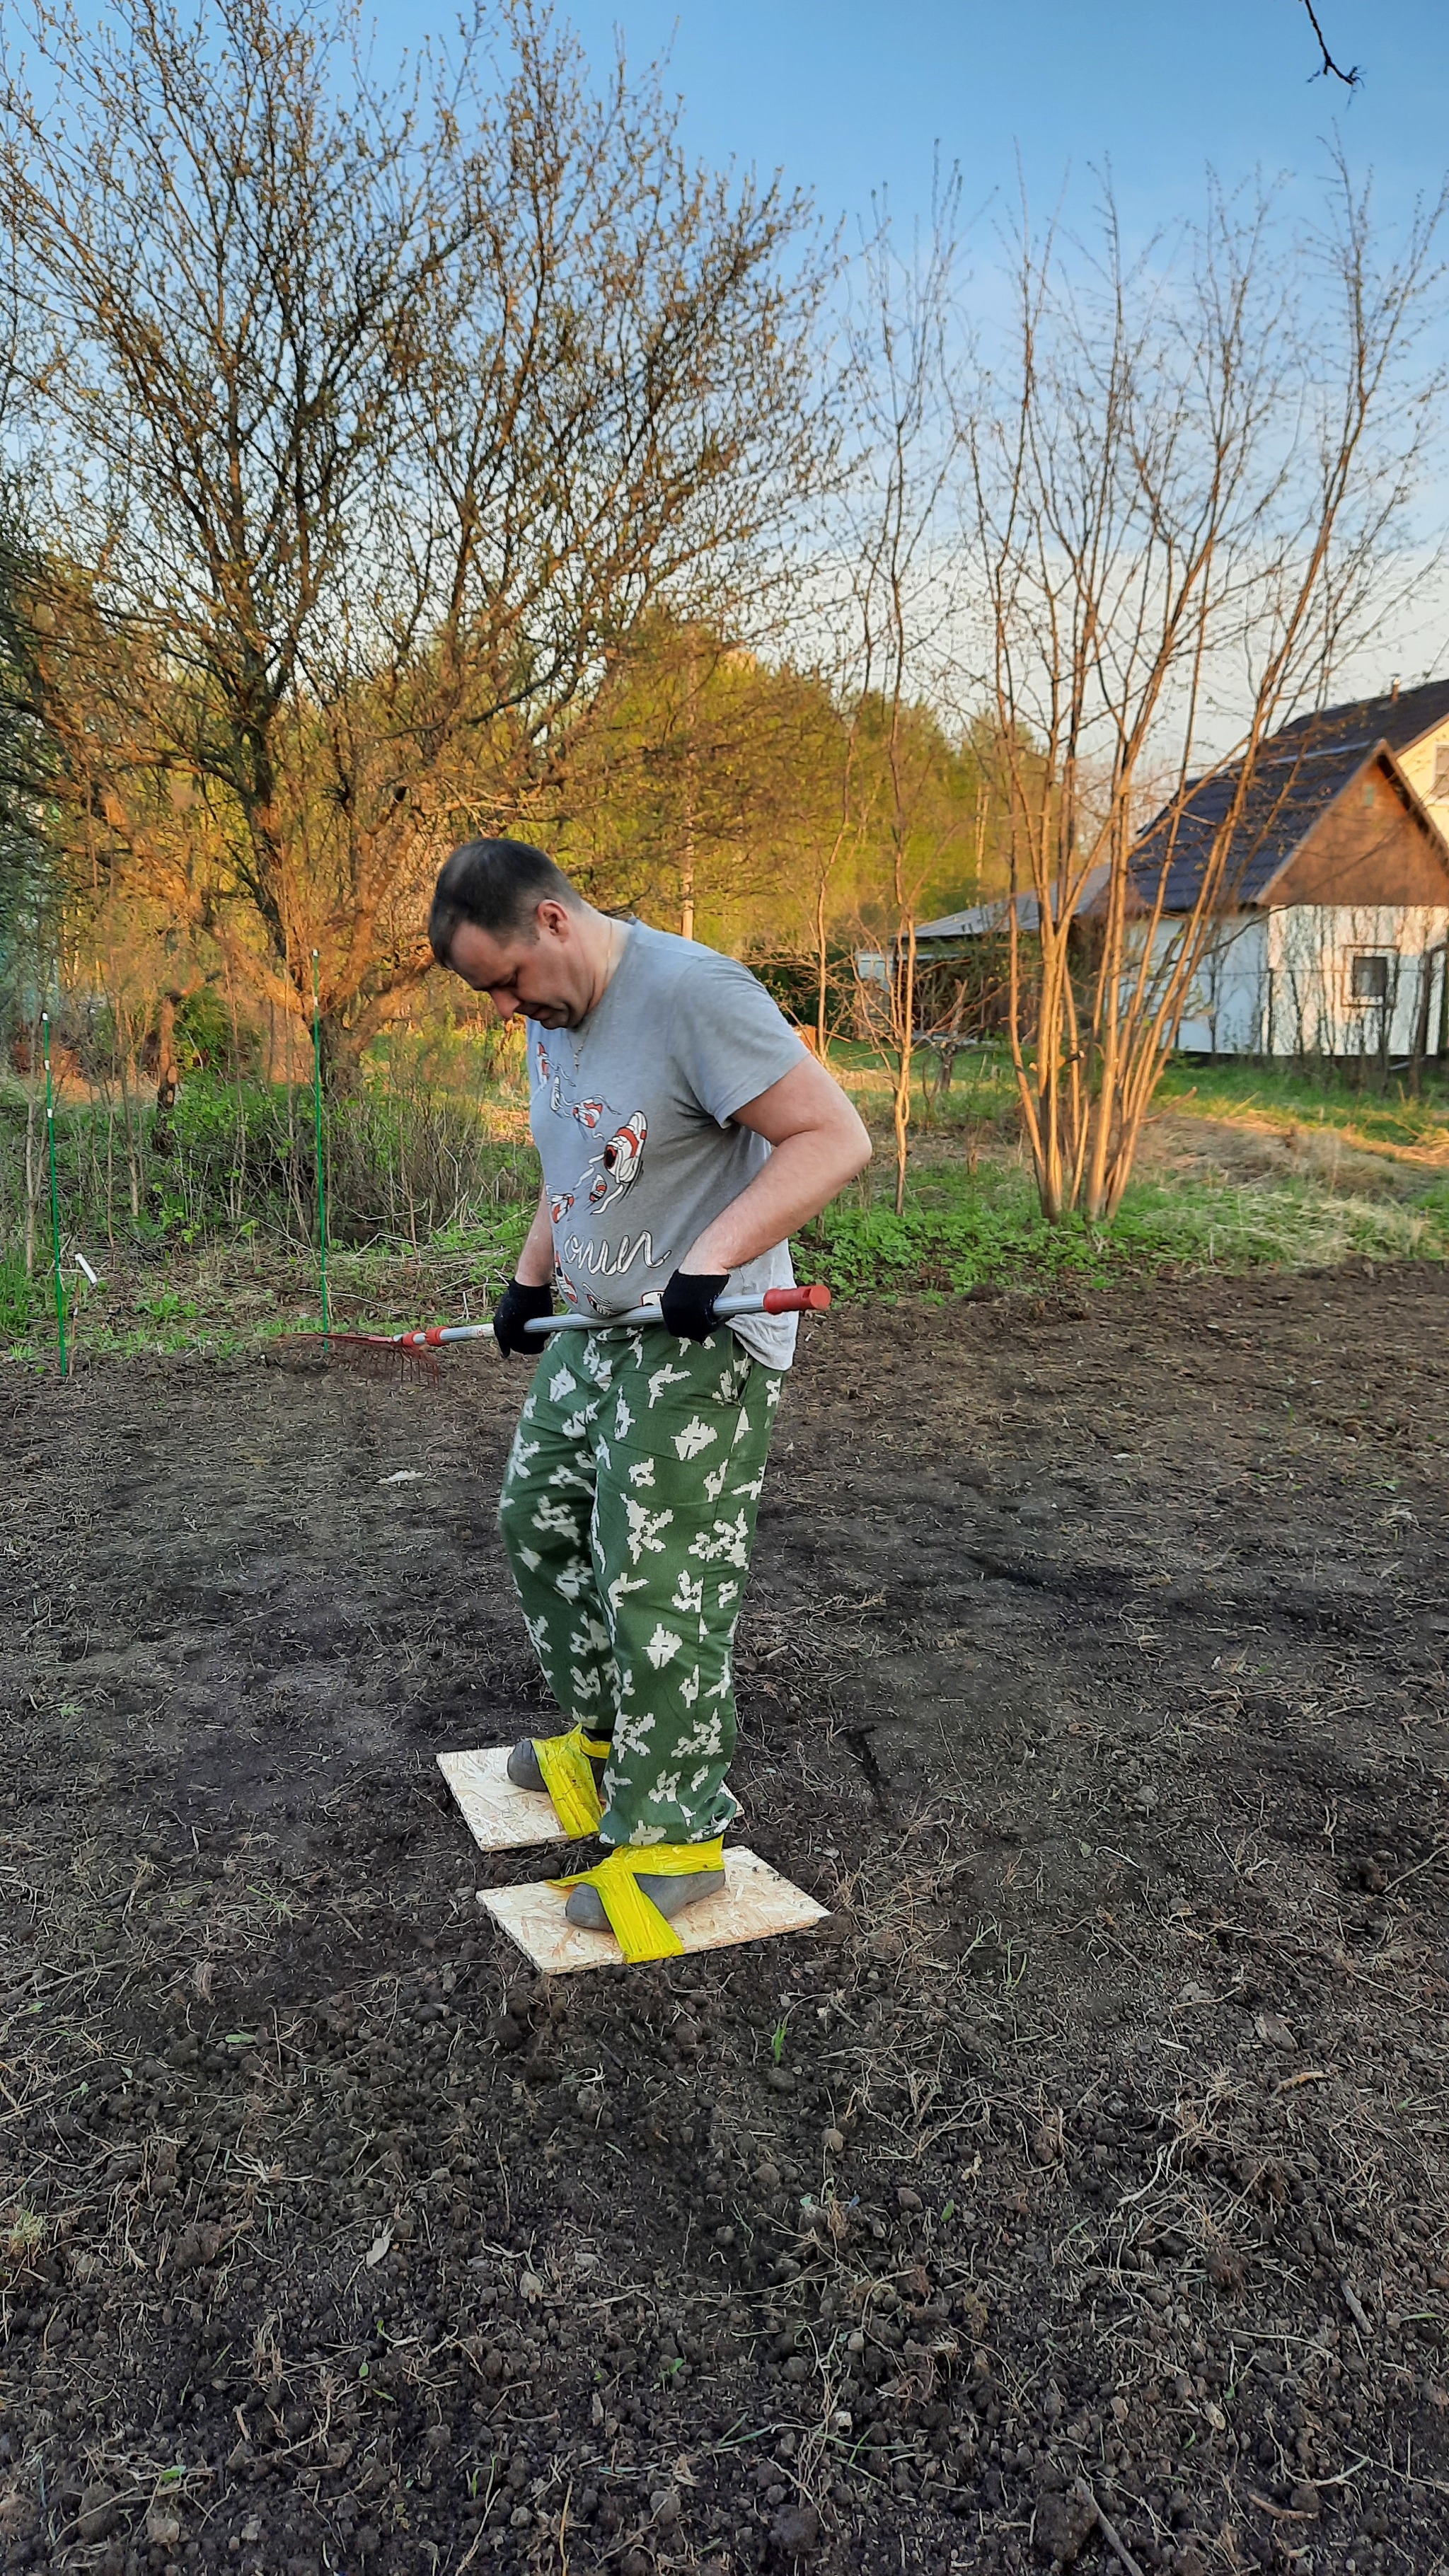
[{"x": 1352, "y": 78}]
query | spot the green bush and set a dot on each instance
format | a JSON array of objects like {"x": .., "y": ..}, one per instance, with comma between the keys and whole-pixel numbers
[
  {"x": 239, "y": 1158},
  {"x": 207, "y": 1036}
]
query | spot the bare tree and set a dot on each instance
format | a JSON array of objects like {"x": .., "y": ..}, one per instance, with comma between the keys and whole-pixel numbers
[
  {"x": 903, "y": 592},
  {"x": 377, "y": 418},
  {"x": 1184, "y": 493}
]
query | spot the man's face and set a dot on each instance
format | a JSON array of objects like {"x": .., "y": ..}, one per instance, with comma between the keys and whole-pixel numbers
[{"x": 546, "y": 977}]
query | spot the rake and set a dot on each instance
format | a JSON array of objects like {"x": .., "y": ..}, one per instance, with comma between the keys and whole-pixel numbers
[{"x": 416, "y": 1353}]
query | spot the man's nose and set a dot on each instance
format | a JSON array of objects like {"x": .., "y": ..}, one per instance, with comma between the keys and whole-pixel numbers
[{"x": 506, "y": 1005}]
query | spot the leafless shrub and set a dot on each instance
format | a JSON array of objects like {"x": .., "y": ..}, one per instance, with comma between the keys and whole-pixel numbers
[{"x": 1186, "y": 485}]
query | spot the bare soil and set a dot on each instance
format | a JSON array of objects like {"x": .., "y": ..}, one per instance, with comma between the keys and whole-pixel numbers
[{"x": 1092, "y": 2164}]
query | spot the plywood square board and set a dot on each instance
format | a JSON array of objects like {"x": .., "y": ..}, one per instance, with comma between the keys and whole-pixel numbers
[
  {"x": 499, "y": 1817},
  {"x": 754, "y": 1904}
]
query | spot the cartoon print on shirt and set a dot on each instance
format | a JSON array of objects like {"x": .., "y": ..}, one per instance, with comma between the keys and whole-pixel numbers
[
  {"x": 602, "y": 1181},
  {"x": 618, "y": 1165},
  {"x": 605, "y": 1176}
]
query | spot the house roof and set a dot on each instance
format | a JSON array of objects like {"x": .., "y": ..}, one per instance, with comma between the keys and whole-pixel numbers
[
  {"x": 1289, "y": 792},
  {"x": 1300, "y": 771},
  {"x": 980, "y": 920},
  {"x": 1398, "y": 719},
  {"x": 974, "y": 923}
]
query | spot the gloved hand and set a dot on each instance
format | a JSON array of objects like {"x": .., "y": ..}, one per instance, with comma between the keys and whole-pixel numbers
[
  {"x": 514, "y": 1309},
  {"x": 687, "y": 1304}
]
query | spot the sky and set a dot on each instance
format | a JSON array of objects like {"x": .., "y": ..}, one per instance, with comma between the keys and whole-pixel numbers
[
  {"x": 845, "y": 98},
  {"x": 847, "y": 95}
]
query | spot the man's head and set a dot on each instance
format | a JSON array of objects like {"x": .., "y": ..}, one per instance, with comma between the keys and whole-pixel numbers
[{"x": 509, "y": 922}]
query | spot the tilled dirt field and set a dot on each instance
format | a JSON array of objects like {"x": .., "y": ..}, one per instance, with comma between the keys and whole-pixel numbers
[{"x": 1079, "y": 2196}]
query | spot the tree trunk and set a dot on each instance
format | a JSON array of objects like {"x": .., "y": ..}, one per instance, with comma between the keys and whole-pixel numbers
[
  {"x": 905, "y": 1034},
  {"x": 822, "y": 969},
  {"x": 166, "y": 1074}
]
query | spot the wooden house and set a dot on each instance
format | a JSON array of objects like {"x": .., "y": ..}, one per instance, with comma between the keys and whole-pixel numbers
[{"x": 1332, "y": 912}]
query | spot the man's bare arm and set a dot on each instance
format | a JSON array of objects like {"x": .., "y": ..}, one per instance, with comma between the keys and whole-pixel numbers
[
  {"x": 535, "y": 1261},
  {"x": 820, "y": 1143}
]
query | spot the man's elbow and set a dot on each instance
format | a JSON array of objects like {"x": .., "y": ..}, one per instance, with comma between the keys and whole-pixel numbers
[{"x": 856, "y": 1145}]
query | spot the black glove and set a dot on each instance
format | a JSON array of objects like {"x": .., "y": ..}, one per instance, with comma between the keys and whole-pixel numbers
[
  {"x": 687, "y": 1304},
  {"x": 514, "y": 1309}
]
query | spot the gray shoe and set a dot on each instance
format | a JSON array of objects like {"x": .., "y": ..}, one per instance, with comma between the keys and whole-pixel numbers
[
  {"x": 524, "y": 1772},
  {"x": 523, "y": 1768},
  {"x": 585, "y": 1907}
]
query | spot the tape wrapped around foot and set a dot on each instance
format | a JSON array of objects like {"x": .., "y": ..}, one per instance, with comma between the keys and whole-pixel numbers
[
  {"x": 563, "y": 1761},
  {"x": 641, "y": 1931}
]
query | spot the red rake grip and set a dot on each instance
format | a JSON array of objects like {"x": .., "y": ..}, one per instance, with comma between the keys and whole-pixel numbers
[{"x": 797, "y": 1301}]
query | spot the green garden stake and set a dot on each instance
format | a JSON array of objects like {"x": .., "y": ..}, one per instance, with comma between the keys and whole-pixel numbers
[
  {"x": 321, "y": 1154},
  {"x": 54, "y": 1200}
]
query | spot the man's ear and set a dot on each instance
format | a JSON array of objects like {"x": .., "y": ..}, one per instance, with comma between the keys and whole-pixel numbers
[{"x": 551, "y": 918}]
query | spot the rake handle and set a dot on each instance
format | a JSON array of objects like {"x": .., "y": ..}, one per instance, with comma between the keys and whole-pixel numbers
[{"x": 769, "y": 1301}]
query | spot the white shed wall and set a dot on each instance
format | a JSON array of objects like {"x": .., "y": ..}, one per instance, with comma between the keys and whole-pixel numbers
[
  {"x": 1224, "y": 1014},
  {"x": 1281, "y": 982},
  {"x": 1310, "y": 1006}
]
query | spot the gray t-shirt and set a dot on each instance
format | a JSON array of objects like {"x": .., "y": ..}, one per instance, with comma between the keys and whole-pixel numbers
[{"x": 631, "y": 1116}]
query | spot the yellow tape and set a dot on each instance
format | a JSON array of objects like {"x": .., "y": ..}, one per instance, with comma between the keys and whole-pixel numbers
[
  {"x": 641, "y": 1931},
  {"x": 569, "y": 1782}
]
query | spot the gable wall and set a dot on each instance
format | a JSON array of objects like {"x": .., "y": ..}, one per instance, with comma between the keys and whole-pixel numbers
[
  {"x": 1418, "y": 765},
  {"x": 1368, "y": 848}
]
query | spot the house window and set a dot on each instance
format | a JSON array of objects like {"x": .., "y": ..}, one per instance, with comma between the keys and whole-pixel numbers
[
  {"x": 1441, "y": 770},
  {"x": 1368, "y": 978}
]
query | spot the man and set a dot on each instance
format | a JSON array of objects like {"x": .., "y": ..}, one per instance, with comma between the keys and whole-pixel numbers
[{"x": 684, "y": 1131}]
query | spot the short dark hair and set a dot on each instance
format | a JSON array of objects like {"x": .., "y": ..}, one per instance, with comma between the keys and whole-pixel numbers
[{"x": 496, "y": 885}]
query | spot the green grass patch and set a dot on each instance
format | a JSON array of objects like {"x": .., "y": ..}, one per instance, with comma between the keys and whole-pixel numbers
[
  {"x": 969, "y": 1232},
  {"x": 1306, "y": 1098},
  {"x": 436, "y": 1196},
  {"x": 1346, "y": 1096},
  {"x": 19, "y": 1297}
]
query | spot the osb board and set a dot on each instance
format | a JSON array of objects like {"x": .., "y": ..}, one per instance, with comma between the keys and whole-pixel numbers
[
  {"x": 499, "y": 1816},
  {"x": 754, "y": 1904}
]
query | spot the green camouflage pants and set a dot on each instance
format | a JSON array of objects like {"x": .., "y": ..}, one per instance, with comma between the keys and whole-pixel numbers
[{"x": 628, "y": 1513}]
